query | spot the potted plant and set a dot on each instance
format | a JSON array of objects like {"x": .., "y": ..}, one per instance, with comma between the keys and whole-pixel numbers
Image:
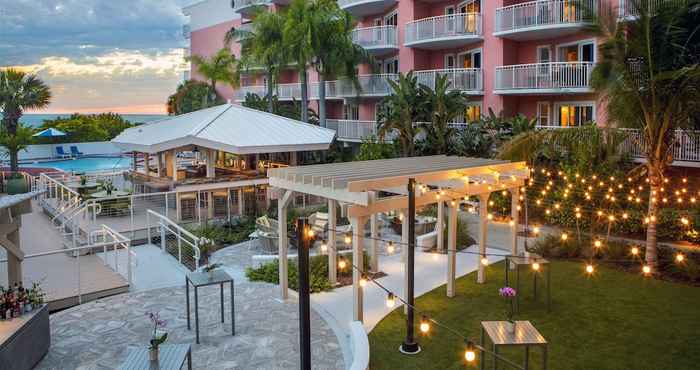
[
  {"x": 158, "y": 337},
  {"x": 36, "y": 296},
  {"x": 14, "y": 141},
  {"x": 509, "y": 294},
  {"x": 17, "y": 184},
  {"x": 83, "y": 180},
  {"x": 211, "y": 268}
]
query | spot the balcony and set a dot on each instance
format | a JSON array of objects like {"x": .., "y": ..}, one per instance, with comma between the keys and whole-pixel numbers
[
  {"x": 186, "y": 31},
  {"x": 362, "y": 8},
  {"x": 445, "y": 31},
  {"x": 543, "y": 19},
  {"x": 467, "y": 80},
  {"x": 352, "y": 130},
  {"x": 377, "y": 41},
  {"x": 544, "y": 78},
  {"x": 370, "y": 86},
  {"x": 246, "y": 7},
  {"x": 628, "y": 10},
  {"x": 284, "y": 92}
]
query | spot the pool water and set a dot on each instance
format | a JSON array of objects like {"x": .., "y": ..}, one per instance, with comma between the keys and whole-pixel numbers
[{"x": 84, "y": 164}]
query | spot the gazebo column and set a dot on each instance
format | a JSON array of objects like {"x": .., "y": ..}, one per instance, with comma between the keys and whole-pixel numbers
[
  {"x": 358, "y": 230},
  {"x": 134, "y": 156},
  {"x": 174, "y": 164},
  {"x": 332, "y": 254},
  {"x": 404, "y": 252},
  {"x": 159, "y": 163},
  {"x": 241, "y": 202},
  {"x": 283, "y": 242},
  {"x": 146, "y": 163},
  {"x": 514, "y": 215},
  {"x": 440, "y": 225},
  {"x": 211, "y": 165},
  {"x": 483, "y": 231},
  {"x": 452, "y": 250}
]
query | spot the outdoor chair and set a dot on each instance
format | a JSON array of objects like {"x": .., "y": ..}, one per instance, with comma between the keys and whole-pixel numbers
[
  {"x": 319, "y": 222},
  {"x": 267, "y": 225},
  {"x": 61, "y": 153},
  {"x": 74, "y": 151}
]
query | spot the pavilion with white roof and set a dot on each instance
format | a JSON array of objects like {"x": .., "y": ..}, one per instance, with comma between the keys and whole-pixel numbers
[
  {"x": 366, "y": 189},
  {"x": 215, "y": 154}
]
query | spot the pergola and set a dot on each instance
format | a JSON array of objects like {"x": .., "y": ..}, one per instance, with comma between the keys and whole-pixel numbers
[{"x": 368, "y": 188}]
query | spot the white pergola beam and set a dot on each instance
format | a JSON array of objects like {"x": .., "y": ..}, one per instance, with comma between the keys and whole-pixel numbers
[
  {"x": 358, "y": 227},
  {"x": 483, "y": 234},
  {"x": 452, "y": 250}
]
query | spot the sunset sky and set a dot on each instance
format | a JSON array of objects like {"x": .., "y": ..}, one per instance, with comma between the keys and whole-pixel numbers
[{"x": 97, "y": 55}]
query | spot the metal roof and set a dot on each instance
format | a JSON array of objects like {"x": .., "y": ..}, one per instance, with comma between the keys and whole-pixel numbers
[
  {"x": 353, "y": 182},
  {"x": 228, "y": 127}
]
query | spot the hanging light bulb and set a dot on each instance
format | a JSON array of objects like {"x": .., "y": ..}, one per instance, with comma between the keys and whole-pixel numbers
[
  {"x": 424, "y": 325},
  {"x": 590, "y": 269},
  {"x": 634, "y": 251},
  {"x": 470, "y": 353},
  {"x": 536, "y": 266},
  {"x": 484, "y": 261},
  {"x": 324, "y": 247},
  {"x": 564, "y": 236},
  {"x": 680, "y": 257},
  {"x": 310, "y": 233},
  {"x": 685, "y": 221},
  {"x": 489, "y": 216},
  {"x": 342, "y": 264},
  {"x": 536, "y": 230},
  {"x": 348, "y": 238},
  {"x": 390, "y": 300},
  {"x": 598, "y": 244},
  {"x": 646, "y": 270},
  {"x": 390, "y": 248}
]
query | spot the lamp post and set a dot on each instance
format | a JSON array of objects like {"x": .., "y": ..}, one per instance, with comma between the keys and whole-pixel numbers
[
  {"x": 410, "y": 346},
  {"x": 303, "y": 237}
]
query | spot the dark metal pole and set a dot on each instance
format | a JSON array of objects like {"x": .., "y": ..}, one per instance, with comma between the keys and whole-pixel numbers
[
  {"x": 304, "y": 298},
  {"x": 410, "y": 346}
]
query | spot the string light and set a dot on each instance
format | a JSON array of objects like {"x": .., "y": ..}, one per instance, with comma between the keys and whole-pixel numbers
[
  {"x": 536, "y": 266},
  {"x": 634, "y": 251},
  {"x": 310, "y": 233},
  {"x": 470, "y": 353},
  {"x": 363, "y": 282},
  {"x": 342, "y": 264},
  {"x": 564, "y": 236},
  {"x": 598, "y": 244},
  {"x": 536, "y": 230},
  {"x": 324, "y": 247},
  {"x": 390, "y": 248},
  {"x": 646, "y": 270},
  {"x": 680, "y": 257},
  {"x": 484, "y": 261},
  {"x": 348, "y": 238},
  {"x": 390, "y": 300},
  {"x": 590, "y": 269},
  {"x": 424, "y": 325}
]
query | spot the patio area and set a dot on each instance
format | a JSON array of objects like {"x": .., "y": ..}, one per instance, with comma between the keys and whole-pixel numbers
[{"x": 99, "y": 334}]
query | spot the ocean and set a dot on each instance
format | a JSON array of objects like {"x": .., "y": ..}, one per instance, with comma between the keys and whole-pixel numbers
[{"x": 36, "y": 120}]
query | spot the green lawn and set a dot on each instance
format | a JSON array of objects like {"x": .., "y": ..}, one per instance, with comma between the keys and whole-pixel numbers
[{"x": 615, "y": 320}]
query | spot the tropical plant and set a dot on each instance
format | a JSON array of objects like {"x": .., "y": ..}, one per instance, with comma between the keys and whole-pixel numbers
[
  {"x": 14, "y": 143},
  {"x": 371, "y": 148},
  {"x": 85, "y": 127},
  {"x": 262, "y": 47},
  {"x": 292, "y": 110},
  {"x": 474, "y": 141},
  {"x": 221, "y": 66},
  {"x": 19, "y": 92},
  {"x": 445, "y": 107},
  {"x": 398, "y": 112},
  {"x": 648, "y": 74},
  {"x": 301, "y": 25},
  {"x": 191, "y": 96},
  {"x": 334, "y": 51}
]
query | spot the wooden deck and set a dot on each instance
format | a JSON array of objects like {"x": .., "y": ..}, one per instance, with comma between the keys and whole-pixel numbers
[{"x": 58, "y": 273}]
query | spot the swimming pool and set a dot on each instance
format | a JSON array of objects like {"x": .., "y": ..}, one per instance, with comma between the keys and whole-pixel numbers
[{"x": 84, "y": 164}]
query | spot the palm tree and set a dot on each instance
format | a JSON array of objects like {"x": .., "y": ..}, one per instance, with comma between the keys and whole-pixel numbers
[
  {"x": 649, "y": 76},
  {"x": 219, "y": 67},
  {"x": 445, "y": 107},
  {"x": 300, "y": 29},
  {"x": 19, "y": 92},
  {"x": 398, "y": 112},
  {"x": 262, "y": 46},
  {"x": 334, "y": 51}
]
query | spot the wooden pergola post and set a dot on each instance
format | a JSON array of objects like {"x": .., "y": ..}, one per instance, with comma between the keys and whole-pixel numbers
[
  {"x": 358, "y": 227},
  {"x": 514, "y": 213},
  {"x": 283, "y": 246},
  {"x": 439, "y": 226},
  {"x": 452, "y": 250},
  {"x": 404, "y": 251},
  {"x": 483, "y": 233},
  {"x": 332, "y": 255}
]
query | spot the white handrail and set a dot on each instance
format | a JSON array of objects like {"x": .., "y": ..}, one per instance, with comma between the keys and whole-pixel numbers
[
  {"x": 164, "y": 224},
  {"x": 554, "y": 75},
  {"x": 379, "y": 36},
  {"x": 463, "y": 79},
  {"x": 443, "y": 26},
  {"x": 544, "y": 13}
]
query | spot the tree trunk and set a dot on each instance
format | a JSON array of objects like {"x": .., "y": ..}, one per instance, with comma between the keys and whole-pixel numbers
[
  {"x": 270, "y": 107},
  {"x": 651, "y": 247},
  {"x": 14, "y": 165},
  {"x": 12, "y": 124},
  {"x": 322, "y": 99},
  {"x": 304, "y": 96}
]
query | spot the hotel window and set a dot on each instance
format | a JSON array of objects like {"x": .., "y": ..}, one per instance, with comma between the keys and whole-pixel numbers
[
  {"x": 472, "y": 113},
  {"x": 575, "y": 114},
  {"x": 577, "y": 52},
  {"x": 352, "y": 112},
  {"x": 543, "y": 113},
  {"x": 450, "y": 10},
  {"x": 392, "y": 19},
  {"x": 470, "y": 59},
  {"x": 391, "y": 65},
  {"x": 471, "y": 20},
  {"x": 449, "y": 61}
]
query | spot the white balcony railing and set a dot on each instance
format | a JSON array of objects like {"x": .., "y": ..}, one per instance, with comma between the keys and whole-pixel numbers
[
  {"x": 462, "y": 79},
  {"x": 376, "y": 85},
  {"x": 239, "y": 5},
  {"x": 376, "y": 37},
  {"x": 443, "y": 27},
  {"x": 686, "y": 147},
  {"x": 186, "y": 31},
  {"x": 627, "y": 9},
  {"x": 541, "y": 14},
  {"x": 352, "y": 129},
  {"x": 573, "y": 76}
]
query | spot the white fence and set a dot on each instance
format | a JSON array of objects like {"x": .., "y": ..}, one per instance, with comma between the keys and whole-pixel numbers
[
  {"x": 380, "y": 36},
  {"x": 544, "y": 14},
  {"x": 442, "y": 27},
  {"x": 463, "y": 79},
  {"x": 535, "y": 76},
  {"x": 352, "y": 129},
  {"x": 48, "y": 151}
]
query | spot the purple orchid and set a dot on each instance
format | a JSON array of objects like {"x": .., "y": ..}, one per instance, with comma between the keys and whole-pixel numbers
[{"x": 507, "y": 292}]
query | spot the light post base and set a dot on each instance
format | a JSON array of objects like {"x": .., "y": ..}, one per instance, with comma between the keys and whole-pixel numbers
[{"x": 409, "y": 348}]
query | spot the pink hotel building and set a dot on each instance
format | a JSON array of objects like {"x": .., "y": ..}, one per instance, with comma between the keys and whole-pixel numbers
[{"x": 529, "y": 57}]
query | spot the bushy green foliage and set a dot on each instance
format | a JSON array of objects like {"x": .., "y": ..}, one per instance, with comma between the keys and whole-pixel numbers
[
  {"x": 372, "y": 148},
  {"x": 85, "y": 127},
  {"x": 192, "y": 96},
  {"x": 226, "y": 234},
  {"x": 318, "y": 273},
  {"x": 290, "y": 110}
]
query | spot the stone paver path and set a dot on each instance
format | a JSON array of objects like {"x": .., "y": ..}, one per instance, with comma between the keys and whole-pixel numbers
[{"x": 97, "y": 335}]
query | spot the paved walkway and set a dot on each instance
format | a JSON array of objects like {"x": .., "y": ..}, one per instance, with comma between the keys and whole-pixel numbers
[
  {"x": 151, "y": 267},
  {"x": 98, "y": 335}
]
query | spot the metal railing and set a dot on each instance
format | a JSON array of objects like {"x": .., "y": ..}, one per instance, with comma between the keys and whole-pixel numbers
[
  {"x": 173, "y": 239},
  {"x": 374, "y": 85},
  {"x": 686, "y": 147},
  {"x": 463, "y": 79},
  {"x": 237, "y": 5},
  {"x": 442, "y": 27},
  {"x": 555, "y": 75},
  {"x": 544, "y": 13},
  {"x": 348, "y": 3},
  {"x": 627, "y": 8},
  {"x": 373, "y": 37},
  {"x": 352, "y": 129}
]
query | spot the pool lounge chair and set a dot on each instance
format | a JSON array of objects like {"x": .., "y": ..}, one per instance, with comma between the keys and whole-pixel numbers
[
  {"x": 61, "y": 153},
  {"x": 74, "y": 151}
]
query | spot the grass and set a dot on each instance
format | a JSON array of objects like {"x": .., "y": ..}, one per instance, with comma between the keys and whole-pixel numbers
[{"x": 615, "y": 320}]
